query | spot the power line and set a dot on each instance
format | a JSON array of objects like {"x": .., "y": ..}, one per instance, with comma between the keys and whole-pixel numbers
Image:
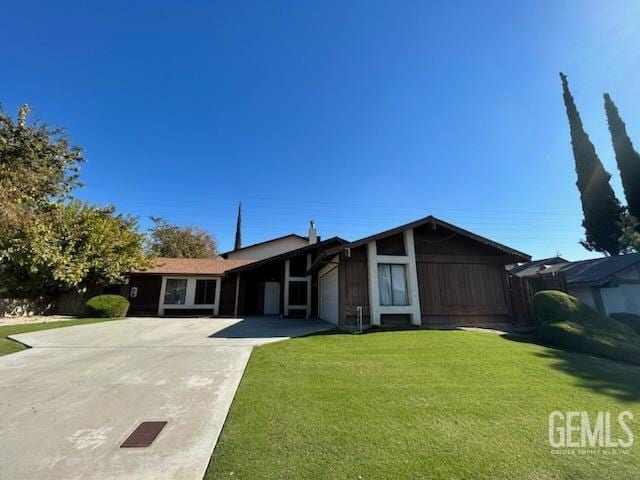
[{"x": 324, "y": 202}]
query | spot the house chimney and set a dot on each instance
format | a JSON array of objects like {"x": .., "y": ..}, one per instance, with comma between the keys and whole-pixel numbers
[{"x": 313, "y": 234}]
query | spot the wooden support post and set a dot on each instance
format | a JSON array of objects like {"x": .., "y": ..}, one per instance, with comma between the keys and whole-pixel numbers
[{"x": 235, "y": 306}]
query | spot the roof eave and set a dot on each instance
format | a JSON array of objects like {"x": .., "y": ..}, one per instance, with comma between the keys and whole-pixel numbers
[
  {"x": 264, "y": 243},
  {"x": 285, "y": 255}
]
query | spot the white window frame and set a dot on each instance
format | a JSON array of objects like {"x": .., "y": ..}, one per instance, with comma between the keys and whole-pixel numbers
[
  {"x": 287, "y": 279},
  {"x": 406, "y": 284},
  {"x": 373, "y": 260},
  {"x": 190, "y": 295}
]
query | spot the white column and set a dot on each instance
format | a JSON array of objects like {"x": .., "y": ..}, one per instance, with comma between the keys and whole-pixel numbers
[
  {"x": 409, "y": 260},
  {"x": 287, "y": 265},
  {"x": 308, "y": 286},
  {"x": 374, "y": 292},
  {"x": 412, "y": 273},
  {"x": 216, "y": 306},
  {"x": 161, "y": 299}
]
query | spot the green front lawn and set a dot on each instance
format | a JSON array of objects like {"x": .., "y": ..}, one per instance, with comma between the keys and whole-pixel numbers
[
  {"x": 9, "y": 346},
  {"x": 419, "y": 404}
]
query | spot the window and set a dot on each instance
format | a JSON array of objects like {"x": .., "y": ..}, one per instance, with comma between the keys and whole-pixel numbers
[
  {"x": 392, "y": 282},
  {"x": 297, "y": 293},
  {"x": 175, "y": 292},
  {"x": 205, "y": 292},
  {"x": 298, "y": 266}
]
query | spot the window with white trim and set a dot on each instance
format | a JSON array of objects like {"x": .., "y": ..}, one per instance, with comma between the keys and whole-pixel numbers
[
  {"x": 175, "y": 292},
  {"x": 205, "y": 292},
  {"x": 297, "y": 293},
  {"x": 392, "y": 284}
]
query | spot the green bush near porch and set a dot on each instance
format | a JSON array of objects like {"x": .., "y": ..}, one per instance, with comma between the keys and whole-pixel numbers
[{"x": 107, "y": 306}]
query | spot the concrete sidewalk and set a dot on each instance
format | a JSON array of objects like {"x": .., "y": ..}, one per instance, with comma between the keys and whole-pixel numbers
[{"x": 68, "y": 403}]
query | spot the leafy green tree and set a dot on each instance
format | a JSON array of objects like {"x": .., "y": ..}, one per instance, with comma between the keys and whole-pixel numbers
[
  {"x": 630, "y": 238},
  {"x": 627, "y": 157},
  {"x": 70, "y": 245},
  {"x": 38, "y": 165},
  {"x": 48, "y": 243},
  {"x": 167, "y": 240},
  {"x": 602, "y": 210}
]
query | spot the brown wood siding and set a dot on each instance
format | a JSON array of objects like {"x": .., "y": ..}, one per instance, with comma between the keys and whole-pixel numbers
[
  {"x": 461, "y": 281},
  {"x": 227, "y": 296},
  {"x": 470, "y": 292},
  {"x": 442, "y": 241},
  {"x": 146, "y": 302},
  {"x": 393, "y": 245},
  {"x": 353, "y": 287}
]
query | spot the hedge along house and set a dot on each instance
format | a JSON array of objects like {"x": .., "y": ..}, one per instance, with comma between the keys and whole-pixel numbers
[{"x": 424, "y": 273}]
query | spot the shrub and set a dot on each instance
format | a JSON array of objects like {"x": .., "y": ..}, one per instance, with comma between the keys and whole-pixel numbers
[
  {"x": 629, "y": 319},
  {"x": 106, "y": 306},
  {"x": 566, "y": 322}
]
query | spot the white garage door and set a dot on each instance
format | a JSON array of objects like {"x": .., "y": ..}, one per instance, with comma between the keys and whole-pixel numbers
[{"x": 329, "y": 297}]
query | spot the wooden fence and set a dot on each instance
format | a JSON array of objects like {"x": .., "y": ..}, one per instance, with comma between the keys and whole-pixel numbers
[{"x": 522, "y": 290}]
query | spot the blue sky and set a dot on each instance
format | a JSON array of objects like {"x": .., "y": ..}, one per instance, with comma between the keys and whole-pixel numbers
[{"x": 360, "y": 115}]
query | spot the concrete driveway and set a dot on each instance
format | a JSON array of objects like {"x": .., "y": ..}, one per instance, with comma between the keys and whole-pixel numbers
[{"x": 67, "y": 404}]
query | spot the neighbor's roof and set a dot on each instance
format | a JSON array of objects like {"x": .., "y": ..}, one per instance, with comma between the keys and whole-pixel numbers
[
  {"x": 528, "y": 269},
  {"x": 193, "y": 266},
  {"x": 295, "y": 235},
  {"x": 597, "y": 271}
]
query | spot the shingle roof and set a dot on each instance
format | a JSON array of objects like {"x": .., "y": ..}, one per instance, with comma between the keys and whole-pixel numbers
[
  {"x": 534, "y": 267},
  {"x": 193, "y": 266},
  {"x": 598, "y": 270},
  {"x": 594, "y": 272}
]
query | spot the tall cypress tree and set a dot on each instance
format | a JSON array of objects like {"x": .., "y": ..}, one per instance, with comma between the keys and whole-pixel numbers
[
  {"x": 627, "y": 157},
  {"x": 238, "y": 243},
  {"x": 602, "y": 210}
]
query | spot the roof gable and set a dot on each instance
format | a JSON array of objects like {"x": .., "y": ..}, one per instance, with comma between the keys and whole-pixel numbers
[
  {"x": 328, "y": 243},
  {"x": 260, "y": 245},
  {"x": 436, "y": 221}
]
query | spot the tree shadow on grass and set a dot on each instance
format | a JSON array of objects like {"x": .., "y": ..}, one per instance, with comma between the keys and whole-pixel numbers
[{"x": 616, "y": 379}]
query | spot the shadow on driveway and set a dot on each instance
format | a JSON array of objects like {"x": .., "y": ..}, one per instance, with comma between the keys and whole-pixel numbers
[{"x": 272, "y": 327}]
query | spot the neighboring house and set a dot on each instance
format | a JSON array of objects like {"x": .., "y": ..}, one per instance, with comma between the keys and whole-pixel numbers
[
  {"x": 535, "y": 267},
  {"x": 608, "y": 284},
  {"x": 426, "y": 272},
  {"x": 269, "y": 248}
]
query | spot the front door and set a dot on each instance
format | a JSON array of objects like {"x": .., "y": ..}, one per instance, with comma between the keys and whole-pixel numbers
[
  {"x": 329, "y": 297},
  {"x": 271, "y": 298}
]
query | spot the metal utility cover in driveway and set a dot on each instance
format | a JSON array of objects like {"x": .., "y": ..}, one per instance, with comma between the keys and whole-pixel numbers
[{"x": 143, "y": 435}]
